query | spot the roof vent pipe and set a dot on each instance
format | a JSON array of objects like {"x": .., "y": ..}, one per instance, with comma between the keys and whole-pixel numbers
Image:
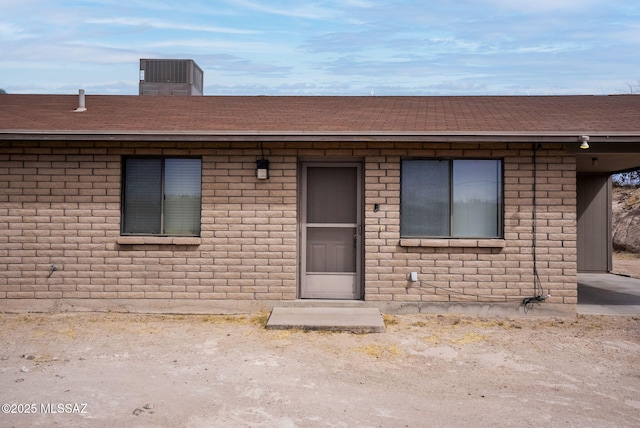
[{"x": 81, "y": 104}]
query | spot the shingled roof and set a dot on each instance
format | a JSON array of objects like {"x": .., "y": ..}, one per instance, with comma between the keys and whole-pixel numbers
[{"x": 22, "y": 115}]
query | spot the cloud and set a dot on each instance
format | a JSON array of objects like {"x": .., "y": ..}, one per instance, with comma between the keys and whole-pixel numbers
[
  {"x": 107, "y": 88},
  {"x": 240, "y": 88},
  {"x": 293, "y": 9},
  {"x": 10, "y": 31},
  {"x": 352, "y": 87},
  {"x": 328, "y": 46},
  {"x": 166, "y": 25},
  {"x": 344, "y": 41},
  {"x": 542, "y": 6},
  {"x": 225, "y": 63},
  {"x": 201, "y": 47}
]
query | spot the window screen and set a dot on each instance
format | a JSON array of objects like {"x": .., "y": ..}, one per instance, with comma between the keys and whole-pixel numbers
[
  {"x": 162, "y": 196},
  {"x": 425, "y": 195},
  {"x": 476, "y": 198},
  {"x": 451, "y": 198}
]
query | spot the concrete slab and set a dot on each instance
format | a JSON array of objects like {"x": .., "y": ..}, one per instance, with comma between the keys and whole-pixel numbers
[
  {"x": 355, "y": 320},
  {"x": 607, "y": 294}
]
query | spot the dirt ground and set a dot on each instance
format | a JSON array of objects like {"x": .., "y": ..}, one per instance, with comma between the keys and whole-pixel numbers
[
  {"x": 625, "y": 228},
  {"x": 626, "y": 264},
  {"x": 105, "y": 370}
]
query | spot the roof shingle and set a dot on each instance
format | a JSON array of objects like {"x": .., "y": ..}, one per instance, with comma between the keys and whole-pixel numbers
[{"x": 312, "y": 114}]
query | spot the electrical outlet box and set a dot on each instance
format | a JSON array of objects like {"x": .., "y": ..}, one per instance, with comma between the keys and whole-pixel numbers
[{"x": 413, "y": 276}]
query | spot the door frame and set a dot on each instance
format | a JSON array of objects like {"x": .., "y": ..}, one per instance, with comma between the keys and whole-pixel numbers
[{"x": 302, "y": 229}]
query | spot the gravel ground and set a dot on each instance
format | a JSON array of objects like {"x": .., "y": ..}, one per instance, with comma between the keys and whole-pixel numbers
[{"x": 105, "y": 370}]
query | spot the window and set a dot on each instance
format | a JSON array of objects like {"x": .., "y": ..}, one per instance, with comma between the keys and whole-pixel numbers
[
  {"x": 161, "y": 196},
  {"x": 460, "y": 198}
]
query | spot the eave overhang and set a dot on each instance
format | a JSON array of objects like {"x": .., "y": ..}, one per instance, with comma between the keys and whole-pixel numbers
[{"x": 317, "y": 136}]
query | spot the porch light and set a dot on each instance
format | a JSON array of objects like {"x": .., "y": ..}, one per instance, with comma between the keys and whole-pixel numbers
[
  {"x": 584, "y": 142},
  {"x": 262, "y": 169}
]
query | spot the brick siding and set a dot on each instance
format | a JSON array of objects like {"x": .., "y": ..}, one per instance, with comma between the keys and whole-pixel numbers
[{"x": 60, "y": 204}]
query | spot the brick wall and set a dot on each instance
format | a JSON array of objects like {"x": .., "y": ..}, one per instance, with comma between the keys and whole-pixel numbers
[
  {"x": 60, "y": 204},
  {"x": 480, "y": 271}
]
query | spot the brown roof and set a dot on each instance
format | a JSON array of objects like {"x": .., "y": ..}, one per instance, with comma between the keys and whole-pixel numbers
[{"x": 294, "y": 115}]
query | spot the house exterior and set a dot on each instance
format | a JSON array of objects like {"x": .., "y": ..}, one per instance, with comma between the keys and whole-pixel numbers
[{"x": 432, "y": 204}]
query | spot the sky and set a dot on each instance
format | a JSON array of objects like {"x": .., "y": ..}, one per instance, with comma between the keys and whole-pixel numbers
[{"x": 326, "y": 47}]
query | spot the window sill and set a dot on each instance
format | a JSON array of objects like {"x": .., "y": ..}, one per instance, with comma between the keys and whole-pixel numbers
[
  {"x": 158, "y": 240},
  {"x": 453, "y": 243}
]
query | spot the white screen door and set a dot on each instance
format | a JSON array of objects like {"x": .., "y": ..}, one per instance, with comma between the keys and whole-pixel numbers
[{"x": 331, "y": 231}]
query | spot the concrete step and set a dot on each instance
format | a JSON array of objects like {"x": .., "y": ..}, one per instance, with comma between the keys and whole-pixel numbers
[{"x": 355, "y": 320}]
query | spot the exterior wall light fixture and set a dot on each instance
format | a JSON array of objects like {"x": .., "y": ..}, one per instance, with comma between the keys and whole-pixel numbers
[
  {"x": 584, "y": 142},
  {"x": 262, "y": 169}
]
